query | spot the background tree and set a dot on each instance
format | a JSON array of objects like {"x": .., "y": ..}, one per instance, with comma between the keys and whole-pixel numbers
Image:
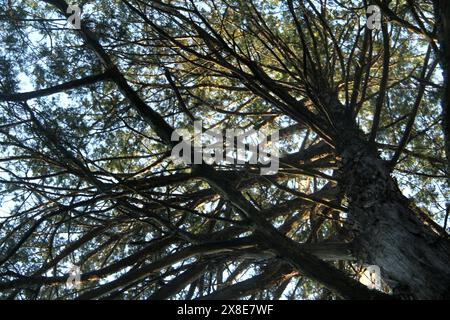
[{"x": 87, "y": 118}]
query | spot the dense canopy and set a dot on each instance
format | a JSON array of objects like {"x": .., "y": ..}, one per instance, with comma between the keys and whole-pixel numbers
[{"x": 87, "y": 178}]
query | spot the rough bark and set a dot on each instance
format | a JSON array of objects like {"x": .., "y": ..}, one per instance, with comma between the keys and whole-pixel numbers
[
  {"x": 287, "y": 249},
  {"x": 388, "y": 230}
]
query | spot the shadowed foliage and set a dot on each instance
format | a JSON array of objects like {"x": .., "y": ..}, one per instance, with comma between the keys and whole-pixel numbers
[{"x": 86, "y": 175}]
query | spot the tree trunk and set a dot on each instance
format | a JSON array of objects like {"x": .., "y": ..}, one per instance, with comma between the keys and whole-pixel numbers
[{"x": 388, "y": 231}]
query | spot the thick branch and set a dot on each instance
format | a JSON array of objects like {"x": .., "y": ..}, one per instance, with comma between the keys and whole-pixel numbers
[{"x": 23, "y": 96}]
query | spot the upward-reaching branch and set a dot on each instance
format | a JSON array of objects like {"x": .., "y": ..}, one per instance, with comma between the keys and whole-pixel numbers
[{"x": 289, "y": 250}]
